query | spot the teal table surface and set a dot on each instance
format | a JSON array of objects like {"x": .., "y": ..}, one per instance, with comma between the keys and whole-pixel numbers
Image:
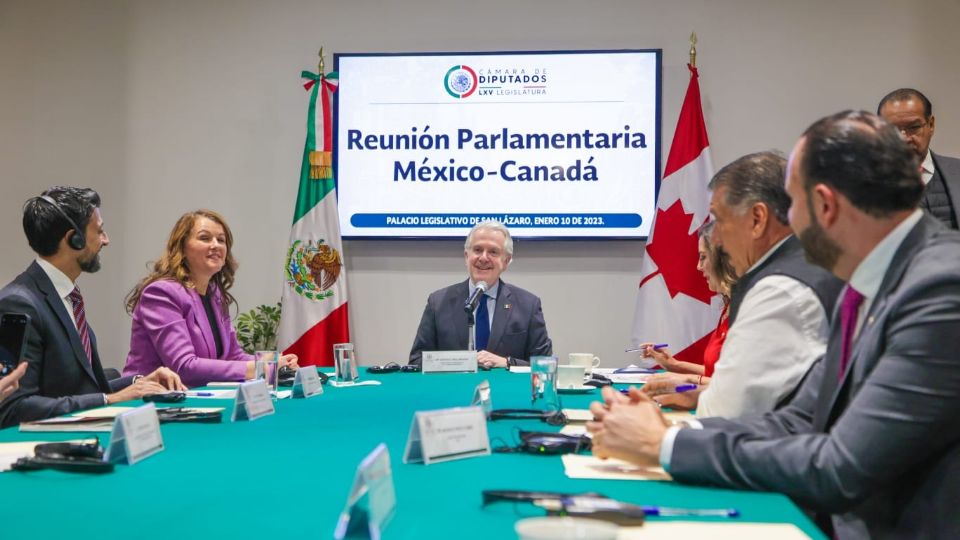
[{"x": 288, "y": 475}]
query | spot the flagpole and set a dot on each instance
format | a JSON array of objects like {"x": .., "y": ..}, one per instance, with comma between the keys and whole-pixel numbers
[
  {"x": 320, "y": 65},
  {"x": 693, "y": 50}
]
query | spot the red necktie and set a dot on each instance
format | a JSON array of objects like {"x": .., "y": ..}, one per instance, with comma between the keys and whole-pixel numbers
[
  {"x": 79, "y": 314},
  {"x": 848, "y": 323}
]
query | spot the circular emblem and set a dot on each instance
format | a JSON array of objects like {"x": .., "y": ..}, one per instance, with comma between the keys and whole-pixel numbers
[
  {"x": 312, "y": 269},
  {"x": 460, "y": 81}
]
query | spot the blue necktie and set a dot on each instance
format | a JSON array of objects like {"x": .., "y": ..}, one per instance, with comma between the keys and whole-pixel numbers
[{"x": 483, "y": 324}]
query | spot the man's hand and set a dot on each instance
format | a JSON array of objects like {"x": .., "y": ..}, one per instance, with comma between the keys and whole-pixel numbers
[
  {"x": 666, "y": 383},
  {"x": 11, "y": 382},
  {"x": 684, "y": 401},
  {"x": 166, "y": 378},
  {"x": 488, "y": 360},
  {"x": 627, "y": 427},
  {"x": 136, "y": 390}
]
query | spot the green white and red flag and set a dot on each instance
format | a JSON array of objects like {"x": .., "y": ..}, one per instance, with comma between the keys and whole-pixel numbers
[{"x": 314, "y": 315}]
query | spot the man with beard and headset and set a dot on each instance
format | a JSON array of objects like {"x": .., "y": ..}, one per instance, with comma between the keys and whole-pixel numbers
[{"x": 64, "y": 227}]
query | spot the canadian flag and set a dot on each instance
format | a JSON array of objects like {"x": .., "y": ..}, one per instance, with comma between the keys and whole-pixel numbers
[{"x": 674, "y": 305}]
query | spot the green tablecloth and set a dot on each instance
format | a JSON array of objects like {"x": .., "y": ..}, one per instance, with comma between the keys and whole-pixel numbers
[{"x": 288, "y": 475}]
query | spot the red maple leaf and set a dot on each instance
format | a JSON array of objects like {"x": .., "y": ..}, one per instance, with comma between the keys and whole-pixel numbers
[{"x": 676, "y": 255}]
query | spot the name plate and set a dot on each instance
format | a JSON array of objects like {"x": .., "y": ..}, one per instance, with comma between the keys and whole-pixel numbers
[
  {"x": 306, "y": 383},
  {"x": 449, "y": 362},
  {"x": 135, "y": 435},
  {"x": 372, "y": 500},
  {"x": 253, "y": 401},
  {"x": 447, "y": 434}
]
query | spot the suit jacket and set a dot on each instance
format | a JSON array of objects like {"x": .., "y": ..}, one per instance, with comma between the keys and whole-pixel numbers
[
  {"x": 171, "y": 329},
  {"x": 518, "y": 330},
  {"x": 59, "y": 379},
  {"x": 876, "y": 454},
  {"x": 948, "y": 169}
]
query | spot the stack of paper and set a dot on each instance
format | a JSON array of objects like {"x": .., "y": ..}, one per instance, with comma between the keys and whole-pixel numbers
[{"x": 579, "y": 466}]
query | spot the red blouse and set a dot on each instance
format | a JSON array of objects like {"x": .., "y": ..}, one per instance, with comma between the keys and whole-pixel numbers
[{"x": 712, "y": 352}]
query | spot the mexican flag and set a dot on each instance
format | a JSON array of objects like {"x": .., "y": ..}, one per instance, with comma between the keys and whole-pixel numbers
[{"x": 314, "y": 297}]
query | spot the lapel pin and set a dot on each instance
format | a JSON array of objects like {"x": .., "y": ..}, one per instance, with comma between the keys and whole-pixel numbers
[
  {"x": 870, "y": 320},
  {"x": 506, "y": 306}
]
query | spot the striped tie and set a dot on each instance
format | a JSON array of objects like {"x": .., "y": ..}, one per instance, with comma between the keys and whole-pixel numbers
[{"x": 80, "y": 315}]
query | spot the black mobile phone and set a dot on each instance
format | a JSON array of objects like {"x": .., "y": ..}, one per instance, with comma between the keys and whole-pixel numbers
[{"x": 13, "y": 331}]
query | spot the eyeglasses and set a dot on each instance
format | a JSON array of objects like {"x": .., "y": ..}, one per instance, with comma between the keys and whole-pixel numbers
[
  {"x": 509, "y": 495},
  {"x": 554, "y": 418},
  {"x": 912, "y": 129}
]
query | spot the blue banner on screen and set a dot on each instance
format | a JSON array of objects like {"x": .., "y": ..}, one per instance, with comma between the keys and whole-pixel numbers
[
  {"x": 459, "y": 221},
  {"x": 554, "y": 144}
]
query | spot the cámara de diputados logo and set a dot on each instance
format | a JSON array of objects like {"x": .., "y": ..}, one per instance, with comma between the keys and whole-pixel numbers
[{"x": 460, "y": 81}]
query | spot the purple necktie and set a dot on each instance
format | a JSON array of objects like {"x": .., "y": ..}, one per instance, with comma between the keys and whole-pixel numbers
[
  {"x": 848, "y": 323},
  {"x": 80, "y": 315}
]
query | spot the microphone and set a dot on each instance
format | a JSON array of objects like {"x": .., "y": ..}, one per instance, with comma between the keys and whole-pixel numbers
[{"x": 474, "y": 299}]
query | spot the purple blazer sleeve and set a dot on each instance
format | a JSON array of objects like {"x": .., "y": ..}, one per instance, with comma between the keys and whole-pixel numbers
[{"x": 170, "y": 329}]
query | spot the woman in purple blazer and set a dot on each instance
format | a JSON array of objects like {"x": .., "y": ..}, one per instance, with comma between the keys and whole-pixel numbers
[{"x": 180, "y": 311}]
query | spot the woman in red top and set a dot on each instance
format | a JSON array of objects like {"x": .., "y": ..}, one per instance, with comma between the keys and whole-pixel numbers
[{"x": 716, "y": 269}]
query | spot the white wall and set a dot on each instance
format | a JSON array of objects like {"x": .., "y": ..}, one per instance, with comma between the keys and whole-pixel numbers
[{"x": 169, "y": 106}]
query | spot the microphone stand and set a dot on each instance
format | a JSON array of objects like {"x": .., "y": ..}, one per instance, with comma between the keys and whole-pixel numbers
[{"x": 471, "y": 331}]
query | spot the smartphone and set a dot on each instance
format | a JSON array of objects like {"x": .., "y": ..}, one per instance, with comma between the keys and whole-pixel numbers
[{"x": 13, "y": 331}]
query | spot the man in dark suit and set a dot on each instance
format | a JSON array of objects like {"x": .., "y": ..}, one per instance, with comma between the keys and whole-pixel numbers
[
  {"x": 871, "y": 443},
  {"x": 912, "y": 113},
  {"x": 64, "y": 374},
  {"x": 509, "y": 320}
]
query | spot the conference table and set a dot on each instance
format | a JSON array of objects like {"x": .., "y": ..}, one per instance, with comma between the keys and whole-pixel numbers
[{"x": 288, "y": 475}]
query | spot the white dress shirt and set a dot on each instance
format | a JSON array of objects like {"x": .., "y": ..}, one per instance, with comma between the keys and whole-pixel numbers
[
  {"x": 780, "y": 330},
  {"x": 927, "y": 169},
  {"x": 62, "y": 284}
]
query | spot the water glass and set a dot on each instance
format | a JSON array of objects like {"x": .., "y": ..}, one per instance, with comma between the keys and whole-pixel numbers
[{"x": 345, "y": 362}]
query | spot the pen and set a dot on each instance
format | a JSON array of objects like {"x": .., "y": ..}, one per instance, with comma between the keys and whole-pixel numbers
[
  {"x": 204, "y": 394},
  {"x": 697, "y": 512},
  {"x": 684, "y": 388},
  {"x": 657, "y": 346}
]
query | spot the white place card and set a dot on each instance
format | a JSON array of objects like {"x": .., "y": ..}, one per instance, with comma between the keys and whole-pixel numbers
[
  {"x": 306, "y": 383},
  {"x": 449, "y": 362},
  {"x": 253, "y": 401},
  {"x": 372, "y": 500},
  {"x": 447, "y": 434},
  {"x": 482, "y": 398},
  {"x": 135, "y": 435}
]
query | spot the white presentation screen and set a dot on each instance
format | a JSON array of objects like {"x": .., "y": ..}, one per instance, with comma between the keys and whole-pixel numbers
[{"x": 553, "y": 144}]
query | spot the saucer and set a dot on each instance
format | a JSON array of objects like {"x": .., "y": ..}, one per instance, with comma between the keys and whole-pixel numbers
[{"x": 584, "y": 389}]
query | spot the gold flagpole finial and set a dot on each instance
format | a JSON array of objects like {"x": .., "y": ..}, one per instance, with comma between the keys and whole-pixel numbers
[
  {"x": 693, "y": 49},
  {"x": 320, "y": 66}
]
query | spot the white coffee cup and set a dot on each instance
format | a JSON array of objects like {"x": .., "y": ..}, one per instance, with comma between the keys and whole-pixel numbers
[
  {"x": 570, "y": 377},
  {"x": 587, "y": 360},
  {"x": 565, "y": 528}
]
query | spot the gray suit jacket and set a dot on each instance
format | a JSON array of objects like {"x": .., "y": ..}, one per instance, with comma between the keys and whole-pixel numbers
[
  {"x": 59, "y": 380},
  {"x": 876, "y": 455},
  {"x": 518, "y": 330},
  {"x": 948, "y": 168}
]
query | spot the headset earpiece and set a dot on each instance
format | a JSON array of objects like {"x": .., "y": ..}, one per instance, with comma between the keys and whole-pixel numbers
[{"x": 76, "y": 240}]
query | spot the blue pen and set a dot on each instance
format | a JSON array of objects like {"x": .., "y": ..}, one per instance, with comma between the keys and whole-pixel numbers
[
  {"x": 204, "y": 394},
  {"x": 697, "y": 512},
  {"x": 684, "y": 388},
  {"x": 657, "y": 346}
]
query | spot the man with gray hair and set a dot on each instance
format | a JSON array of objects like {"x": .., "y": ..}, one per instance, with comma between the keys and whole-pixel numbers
[
  {"x": 509, "y": 320},
  {"x": 781, "y": 304}
]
